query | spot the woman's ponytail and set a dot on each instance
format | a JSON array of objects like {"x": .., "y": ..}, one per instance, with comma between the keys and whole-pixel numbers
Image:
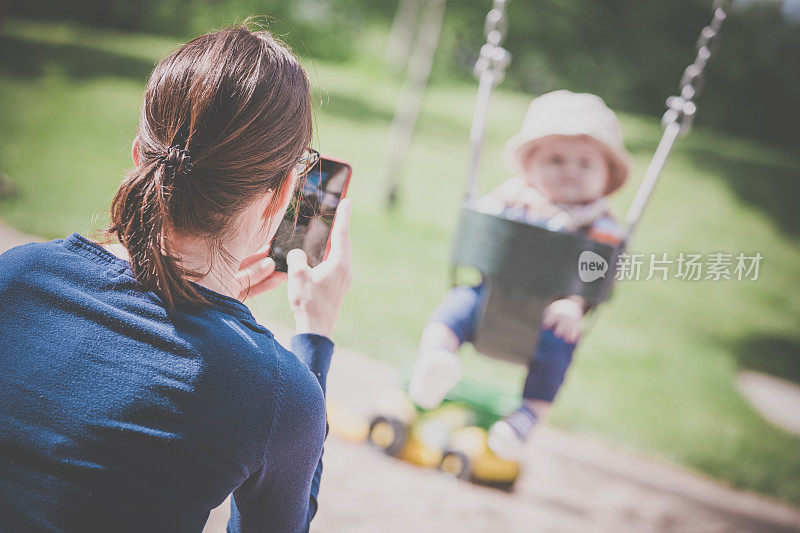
[
  {"x": 224, "y": 120},
  {"x": 139, "y": 219}
]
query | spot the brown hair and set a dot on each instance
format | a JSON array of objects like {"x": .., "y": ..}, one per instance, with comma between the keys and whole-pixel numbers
[{"x": 224, "y": 119}]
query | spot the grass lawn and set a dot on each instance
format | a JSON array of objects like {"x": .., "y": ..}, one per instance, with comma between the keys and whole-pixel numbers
[{"x": 656, "y": 373}]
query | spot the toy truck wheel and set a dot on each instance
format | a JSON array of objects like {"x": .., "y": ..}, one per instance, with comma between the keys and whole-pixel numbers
[
  {"x": 455, "y": 463},
  {"x": 387, "y": 433},
  {"x": 507, "y": 486}
]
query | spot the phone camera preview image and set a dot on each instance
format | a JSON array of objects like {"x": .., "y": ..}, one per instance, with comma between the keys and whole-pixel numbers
[{"x": 308, "y": 220}]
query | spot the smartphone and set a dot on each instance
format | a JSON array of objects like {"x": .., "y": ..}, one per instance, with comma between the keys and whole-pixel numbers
[{"x": 309, "y": 218}]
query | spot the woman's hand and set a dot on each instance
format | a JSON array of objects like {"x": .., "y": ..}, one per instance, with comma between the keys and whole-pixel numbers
[
  {"x": 316, "y": 294},
  {"x": 565, "y": 318},
  {"x": 257, "y": 275}
]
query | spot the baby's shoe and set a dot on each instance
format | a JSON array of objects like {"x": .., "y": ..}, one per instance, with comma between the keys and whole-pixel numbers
[
  {"x": 507, "y": 437},
  {"x": 435, "y": 373}
]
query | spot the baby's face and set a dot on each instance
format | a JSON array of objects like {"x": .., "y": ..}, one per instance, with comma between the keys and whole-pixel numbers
[{"x": 569, "y": 170}]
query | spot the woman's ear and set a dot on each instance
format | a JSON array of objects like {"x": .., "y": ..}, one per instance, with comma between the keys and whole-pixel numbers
[
  {"x": 288, "y": 188},
  {"x": 135, "y": 151}
]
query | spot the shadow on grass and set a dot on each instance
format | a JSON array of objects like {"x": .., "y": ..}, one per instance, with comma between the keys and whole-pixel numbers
[
  {"x": 357, "y": 107},
  {"x": 775, "y": 355},
  {"x": 8, "y": 189},
  {"x": 30, "y": 59},
  {"x": 771, "y": 186},
  {"x": 24, "y": 58},
  {"x": 352, "y": 107}
]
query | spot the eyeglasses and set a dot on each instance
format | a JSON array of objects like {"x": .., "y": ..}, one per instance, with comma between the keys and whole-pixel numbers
[{"x": 306, "y": 162}]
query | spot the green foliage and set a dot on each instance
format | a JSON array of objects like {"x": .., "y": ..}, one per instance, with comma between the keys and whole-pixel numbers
[
  {"x": 326, "y": 27},
  {"x": 631, "y": 52}
]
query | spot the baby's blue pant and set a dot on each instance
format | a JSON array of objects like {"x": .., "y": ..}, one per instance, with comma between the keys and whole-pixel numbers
[{"x": 460, "y": 310}]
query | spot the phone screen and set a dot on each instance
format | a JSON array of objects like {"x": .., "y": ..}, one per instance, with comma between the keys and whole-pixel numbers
[{"x": 308, "y": 220}]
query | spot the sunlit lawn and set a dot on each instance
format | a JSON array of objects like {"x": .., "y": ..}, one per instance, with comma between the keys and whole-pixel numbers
[{"x": 656, "y": 372}]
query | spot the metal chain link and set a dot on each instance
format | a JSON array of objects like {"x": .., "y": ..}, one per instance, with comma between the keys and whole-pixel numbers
[
  {"x": 490, "y": 69},
  {"x": 682, "y": 109},
  {"x": 680, "y": 112},
  {"x": 493, "y": 57}
]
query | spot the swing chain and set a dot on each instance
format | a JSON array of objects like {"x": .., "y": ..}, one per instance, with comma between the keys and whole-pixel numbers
[
  {"x": 682, "y": 109},
  {"x": 493, "y": 58},
  {"x": 490, "y": 70},
  {"x": 677, "y": 120}
]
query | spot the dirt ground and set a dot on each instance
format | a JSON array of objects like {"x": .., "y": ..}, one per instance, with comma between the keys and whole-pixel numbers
[{"x": 568, "y": 483}]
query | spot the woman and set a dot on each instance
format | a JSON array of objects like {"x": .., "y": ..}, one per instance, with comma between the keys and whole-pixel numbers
[{"x": 137, "y": 391}]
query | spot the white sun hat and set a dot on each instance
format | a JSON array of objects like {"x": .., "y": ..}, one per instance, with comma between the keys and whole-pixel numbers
[{"x": 566, "y": 114}]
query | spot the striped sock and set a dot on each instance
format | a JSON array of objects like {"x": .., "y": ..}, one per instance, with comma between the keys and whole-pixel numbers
[{"x": 522, "y": 421}]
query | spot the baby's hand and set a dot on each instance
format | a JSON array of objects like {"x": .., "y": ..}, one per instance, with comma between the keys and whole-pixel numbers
[
  {"x": 537, "y": 205},
  {"x": 509, "y": 191},
  {"x": 490, "y": 204},
  {"x": 565, "y": 318},
  {"x": 515, "y": 193}
]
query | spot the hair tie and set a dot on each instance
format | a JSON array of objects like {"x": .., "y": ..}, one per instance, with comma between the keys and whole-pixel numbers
[{"x": 176, "y": 160}]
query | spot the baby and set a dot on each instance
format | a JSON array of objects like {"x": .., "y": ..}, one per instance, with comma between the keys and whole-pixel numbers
[{"x": 568, "y": 157}]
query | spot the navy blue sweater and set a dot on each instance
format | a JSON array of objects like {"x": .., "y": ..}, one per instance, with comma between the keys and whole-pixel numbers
[{"x": 119, "y": 415}]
